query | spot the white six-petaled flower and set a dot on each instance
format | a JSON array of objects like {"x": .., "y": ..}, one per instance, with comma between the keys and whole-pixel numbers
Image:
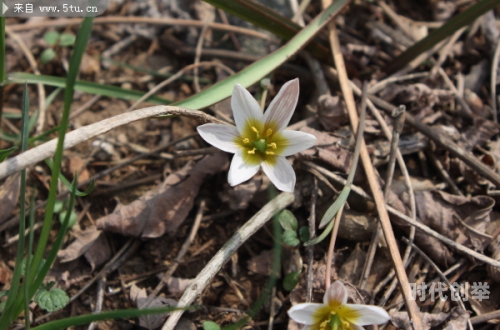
[
  {"x": 335, "y": 314},
  {"x": 260, "y": 139}
]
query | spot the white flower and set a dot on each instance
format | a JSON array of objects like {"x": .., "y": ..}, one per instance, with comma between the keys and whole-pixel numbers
[
  {"x": 260, "y": 139},
  {"x": 335, "y": 314}
]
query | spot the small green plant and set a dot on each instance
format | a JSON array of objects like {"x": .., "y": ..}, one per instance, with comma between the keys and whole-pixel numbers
[
  {"x": 289, "y": 224},
  {"x": 54, "y": 40},
  {"x": 209, "y": 325},
  {"x": 60, "y": 208},
  {"x": 51, "y": 299}
]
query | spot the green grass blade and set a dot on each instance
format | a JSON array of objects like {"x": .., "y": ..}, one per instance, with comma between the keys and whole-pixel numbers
[
  {"x": 3, "y": 65},
  {"x": 57, "y": 243},
  {"x": 13, "y": 292},
  {"x": 86, "y": 319},
  {"x": 29, "y": 252},
  {"x": 6, "y": 152},
  {"x": 83, "y": 86},
  {"x": 271, "y": 21},
  {"x": 68, "y": 184},
  {"x": 454, "y": 24},
  {"x": 329, "y": 216},
  {"x": 2, "y": 52},
  {"x": 76, "y": 57},
  {"x": 256, "y": 71}
]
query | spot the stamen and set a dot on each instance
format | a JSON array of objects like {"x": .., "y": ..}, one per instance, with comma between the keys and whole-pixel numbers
[
  {"x": 246, "y": 140},
  {"x": 272, "y": 145},
  {"x": 256, "y": 131},
  {"x": 269, "y": 132},
  {"x": 269, "y": 153},
  {"x": 251, "y": 152}
]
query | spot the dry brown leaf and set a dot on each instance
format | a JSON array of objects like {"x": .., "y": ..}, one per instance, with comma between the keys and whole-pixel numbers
[
  {"x": 353, "y": 266},
  {"x": 332, "y": 112},
  {"x": 463, "y": 219},
  {"x": 83, "y": 241},
  {"x": 9, "y": 195},
  {"x": 402, "y": 321},
  {"x": 485, "y": 302},
  {"x": 99, "y": 252},
  {"x": 494, "y": 246},
  {"x": 155, "y": 321},
  {"x": 478, "y": 134},
  {"x": 357, "y": 226},
  {"x": 328, "y": 151},
  {"x": 262, "y": 263},
  {"x": 163, "y": 209},
  {"x": 177, "y": 285},
  {"x": 74, "y": 165},
  {"x": 5, "y": 273},
  {"x": 239, "y": 197}
]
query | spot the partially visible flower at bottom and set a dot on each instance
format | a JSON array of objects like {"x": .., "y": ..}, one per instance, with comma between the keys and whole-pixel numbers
[
  {"x": 335, "y": 314},
  {"x": 260, "y": 139}
]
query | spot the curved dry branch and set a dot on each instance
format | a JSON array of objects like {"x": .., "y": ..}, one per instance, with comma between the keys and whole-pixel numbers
[
  {"x": 197, "y": 286},
  {"x": 46, "y": 150}
]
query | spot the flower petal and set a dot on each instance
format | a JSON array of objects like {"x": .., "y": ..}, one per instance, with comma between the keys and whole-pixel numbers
[
  {"x": 297, "y": 141},
  {"x": 239, "y": 171},
  {"x": 220, "y": 136},
  {"x": 304, "y": 313},
  {"x": 367, "y": 314},
  {"x": 245, "y": 107},
  {"x": 280, "y": 173},
  {"x": 281, "y": 109},
  {"x": 336, "y": 294}
]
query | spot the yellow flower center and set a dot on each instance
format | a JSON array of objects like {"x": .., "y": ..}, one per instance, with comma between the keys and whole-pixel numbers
[
  {"x": 334, "y": 317},
  {"x": 261, "y": 143}
]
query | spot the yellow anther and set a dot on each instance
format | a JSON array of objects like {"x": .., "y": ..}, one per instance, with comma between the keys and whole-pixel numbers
[
  {"x": 251, "y": 152},
  {"x": 272, "y": 145},
  {"x": 246, "y": 140},
  {"x": 256, "y": 131},
  {"x": 270, "y": 153},
  {"x": 269, "y": 132},
  {"x": 323, "y": 325}
]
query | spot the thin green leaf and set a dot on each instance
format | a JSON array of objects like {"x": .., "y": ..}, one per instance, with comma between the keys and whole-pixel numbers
[
  {"x": 6, "y": 152},
  {"x": 3, "y": 76},
  {"x": 464, "y": 18},
  {"x": 66, "y": 182},
  {"x": 86, "y": 319},
  {"x": 15, "y": 282},
  {"x": 266, "y": 18},
  {"x": 80, "y": 45},
  {"x": 29, "y": 252},
  {"x": 40, "y": 275},
  {"x": 291, "y": 280},
  {"x": 256, "y": 71},
  {"x": 329, "y": 216},
  {"x": 83, "y": 86}
]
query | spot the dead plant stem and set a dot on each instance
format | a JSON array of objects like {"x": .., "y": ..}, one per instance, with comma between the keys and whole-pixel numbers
[
  {"x": 196, "y": 287},
  {"x": 411, "y": 305}
]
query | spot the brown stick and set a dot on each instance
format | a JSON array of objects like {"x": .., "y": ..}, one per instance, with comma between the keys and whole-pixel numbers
[{"x": 374, "y": 185}]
